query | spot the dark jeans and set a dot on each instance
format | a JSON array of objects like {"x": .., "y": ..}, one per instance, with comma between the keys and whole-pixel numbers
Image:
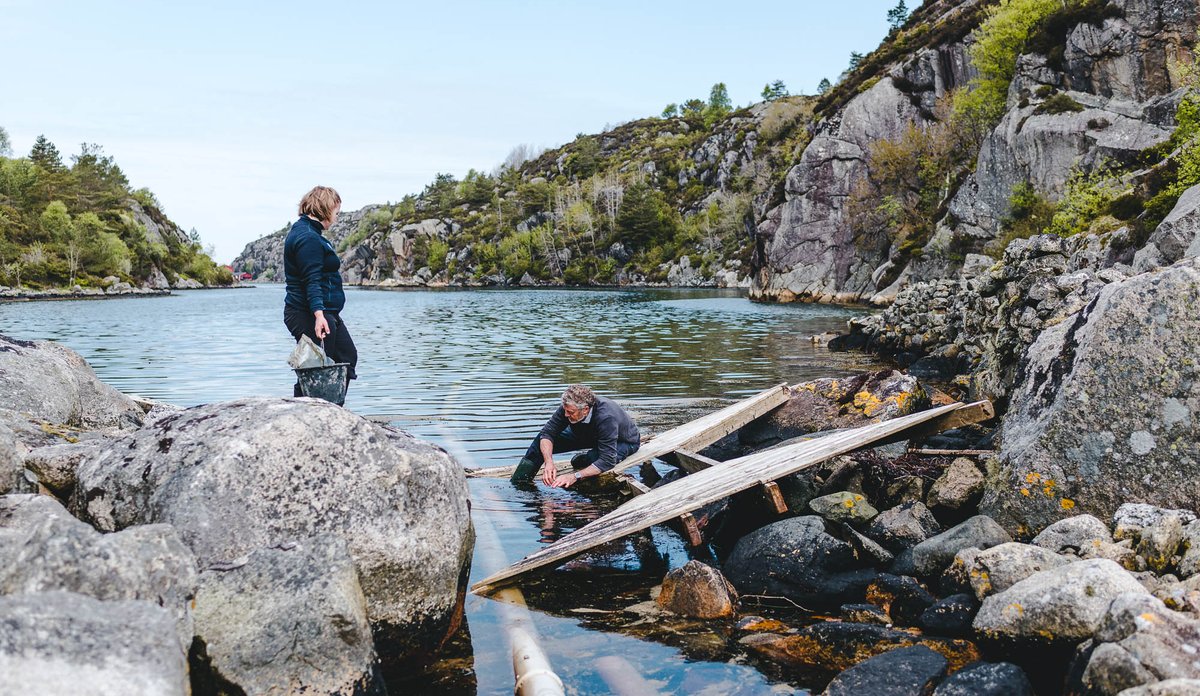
[
  {"x": 566, "y": 441},
  {"x": 339, "y": 346}
]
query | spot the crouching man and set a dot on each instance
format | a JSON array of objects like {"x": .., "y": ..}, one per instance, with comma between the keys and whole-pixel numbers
[{"x": 584, "y": 421}]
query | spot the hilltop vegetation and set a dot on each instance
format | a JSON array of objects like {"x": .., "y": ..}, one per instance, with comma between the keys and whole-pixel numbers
[{"x": 64, "y": 225}]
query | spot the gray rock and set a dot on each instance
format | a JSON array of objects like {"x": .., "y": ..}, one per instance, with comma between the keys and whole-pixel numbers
[
  {"x": 1131, "y": 519},
  {"x": 950, "y": 617},
  {"x": 698, "y": 590},
  {"x": 1167, "y": 687},
  {"x": 843, "y": 506},
  {"x": 291, "y": 619},
  {"x": 932, "y": 556},
  {"x": 44, "y": 549},
  {"x": 12, "y": 461},
  {"x": 253, "y": 473},
  {"x": 1160, "y": 540},
  {"x": 913, "y": 670},
  {"x": 1189, "y": 563},
  {"x": 903, "y": 527},
  {"x": 986, "y": 679},
  {"x": 54, "y": 465},
  {"x": 1003, "y": 566},
  {"x": 959, "y": 486},
  {"x": 64, "y": 643},
  {"x": 1072, "y": 534},
  {"x": 52, "y": 382},
  {"x": 1061, "y": 605},
  {"x": 797, "y": 559},
  {"x": 1139, "y": 642},
  {"x": 1056, "y": 460}
]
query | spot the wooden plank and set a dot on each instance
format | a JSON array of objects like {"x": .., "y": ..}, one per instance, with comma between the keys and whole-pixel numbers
[
  {"x": 704, "y": 487},
  {"x": 719, "y": 423},
  {"x": 692, "y": 462},
  {"x": 634, "y": 486},
  {"x": 951, "y": 452},
  {"x": 774, "y": 497},
  {"x": 976, "y": 412},
  {"x": 691, "y": 529}
]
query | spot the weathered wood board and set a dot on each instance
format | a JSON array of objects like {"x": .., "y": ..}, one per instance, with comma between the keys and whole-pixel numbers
[{"x": 707, "y": 485}]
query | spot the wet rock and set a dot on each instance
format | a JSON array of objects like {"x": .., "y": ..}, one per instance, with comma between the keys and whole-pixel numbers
[
  {"x": 758, "y": 624},
  {"x": 960, "y": 486},
  {"x": 54, "y": 465},
  {"x": 835, "y": 646},
  {"x": 914, "y": 670},
  {"x": 866, "y": 614},
  {"x": 829, "y": 404},
  {"x": 58, "y": 642},
  {"x": 1159, "y": 541},
  {"x": 866, "y": 549},
  {"x": 43, "y": 549},
  {"x": 1131, "y": 519},
  {"x": 1003, "y": 566},
  {"x": 957, "y": 576},
  {"x": 699, "y": 591},
  {"x": 986, "y": 679},
  {"x": 932, "y": 556},
  {"x": 52, "y": 382},
  {"x": 1141, "y": 641},
  {"x": 950, "y": 617},
  {"x": 1072, "y": 534},
  {"x": 903, "y": 598},
  {"x": 843, "y": 506},
  {"x": 1061, "y": 605},
  {"x": 290, "y": 619},
  {"x": 796, "y": 558},
  {"x": 254, "y": 473},
  {"x": 1056, "y": 461},
  {"x": 903, "y": 526}
]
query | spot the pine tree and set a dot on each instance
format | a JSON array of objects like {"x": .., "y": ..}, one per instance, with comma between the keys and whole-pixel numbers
[
  {"x": 718, "y": 98},
  {"x": 855, "y": 59},
  {"x": 774, "y": 90},
  {"x": 897, "y": 15},
  {"x": 45, "y": 155},
  {"x": 824, "y": 86},
  {"x": 5, "y": 143}
]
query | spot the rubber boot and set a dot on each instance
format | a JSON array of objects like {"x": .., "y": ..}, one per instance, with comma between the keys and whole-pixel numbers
[{"x": 524, "y": 473}]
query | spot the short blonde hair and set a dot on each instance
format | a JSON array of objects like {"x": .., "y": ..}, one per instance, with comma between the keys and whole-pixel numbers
[{"x": 320, "y": 203}]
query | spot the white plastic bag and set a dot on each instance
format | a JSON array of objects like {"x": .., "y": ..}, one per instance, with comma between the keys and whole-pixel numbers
[{"x": 306, "y": 354}]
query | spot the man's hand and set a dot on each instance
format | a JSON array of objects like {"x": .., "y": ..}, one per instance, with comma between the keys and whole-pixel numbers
[
  {"x": 549, "y": 473},
  {"x": 565, "y": 481},
  {"x": 320, "y": 327}
]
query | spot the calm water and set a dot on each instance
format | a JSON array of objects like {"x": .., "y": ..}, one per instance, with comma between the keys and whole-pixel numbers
[{"x": 478, "y": 372}]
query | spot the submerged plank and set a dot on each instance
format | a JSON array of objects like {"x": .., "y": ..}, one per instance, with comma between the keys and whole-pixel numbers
[
  {"x": 706, "y": 429},
  {"x": 706, "y": 486}
]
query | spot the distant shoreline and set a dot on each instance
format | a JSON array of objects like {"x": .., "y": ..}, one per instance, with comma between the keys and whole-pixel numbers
[{"x": 59, "y": 295}]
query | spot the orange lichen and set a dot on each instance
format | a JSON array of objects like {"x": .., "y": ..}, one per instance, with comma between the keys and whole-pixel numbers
[{"x": 1067, "y": 503}]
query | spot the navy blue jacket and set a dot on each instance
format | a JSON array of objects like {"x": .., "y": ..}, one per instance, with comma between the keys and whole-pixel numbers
[
  {"x": 310, "y": 269},
  {"x": 609, "y": 424}
]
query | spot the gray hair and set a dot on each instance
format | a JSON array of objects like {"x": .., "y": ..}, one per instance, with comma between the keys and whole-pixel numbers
[{"x": 579, "y": 396}]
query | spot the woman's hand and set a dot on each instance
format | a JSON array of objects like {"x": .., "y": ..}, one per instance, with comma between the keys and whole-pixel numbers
[{"x": 321, "y": 327}]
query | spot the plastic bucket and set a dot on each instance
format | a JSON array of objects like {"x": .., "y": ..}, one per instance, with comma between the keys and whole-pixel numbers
[{"x": 326, "y": 382}]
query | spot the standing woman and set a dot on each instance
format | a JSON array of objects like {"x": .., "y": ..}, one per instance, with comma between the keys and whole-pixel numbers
[{"x": 314, "y": 300}]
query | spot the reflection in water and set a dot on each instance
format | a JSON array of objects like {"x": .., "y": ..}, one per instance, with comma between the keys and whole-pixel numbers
[{"x": 479, "y": 371}]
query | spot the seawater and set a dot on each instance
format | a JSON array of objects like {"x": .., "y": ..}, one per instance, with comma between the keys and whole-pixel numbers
[{"x": 478, "y": 371}]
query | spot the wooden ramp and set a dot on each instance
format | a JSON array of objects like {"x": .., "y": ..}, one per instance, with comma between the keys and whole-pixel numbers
[
  {"x": 709, "y": 484},
  {"x": 693, "y": 435}
]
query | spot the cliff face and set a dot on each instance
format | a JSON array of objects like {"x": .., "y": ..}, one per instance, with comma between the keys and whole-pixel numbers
[{"x": 1102, "y": 96}]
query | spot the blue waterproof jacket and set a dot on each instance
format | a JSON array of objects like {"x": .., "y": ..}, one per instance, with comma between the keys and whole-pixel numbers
[{"x": 310, "y": 269}]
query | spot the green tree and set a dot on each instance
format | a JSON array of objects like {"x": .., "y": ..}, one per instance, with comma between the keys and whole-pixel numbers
[
  {"x": 855, "y": 59},
  {"x": 671, "y": 110},
  {"x": 45, "y": 155},
  {"x": 56, "y": 222},
  {"x": 99, "y": 183},
  {"x": 5, "y": 143},
  {"x": 645, "y": 217},
  {"x": 774, "y": 90},
  {"x": 718, "y": 98},
  {"x": 897, "y": 15},
  {"x": 824, "y": 85}
]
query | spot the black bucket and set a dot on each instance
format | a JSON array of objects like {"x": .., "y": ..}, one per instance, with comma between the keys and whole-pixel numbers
[{"x": 326, "y": 382}]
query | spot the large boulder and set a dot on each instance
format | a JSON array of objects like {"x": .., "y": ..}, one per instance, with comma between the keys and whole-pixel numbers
[
  {"x": 911, "y": 671},
  {"x": 1000, "y": 567},
  {"x": 255, "y": 473},
  {"x": 12, "y": 461},
  {"x": 796, "y": 558},
  {"x": 1141, "y": 641},
  {"x": 64, "y": 643},
  {"x": 699, "y": 591},
  {"x": 1175, "y": 236},
  {"x": 934, "y": 555},
  {"x": 291, "y": 619},
  {"x": 1061, "y": 605},
  {"x": 1105, "y": 413},
  {"x": 1073, "y": 534},
  {"x": 986, "y": 679},
  {"x": 903, "y": 526},
  {"x": 43, "y": 549},
  {"x": 52, "y": 382}
]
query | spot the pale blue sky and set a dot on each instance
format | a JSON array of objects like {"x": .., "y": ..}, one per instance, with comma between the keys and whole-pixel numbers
[{"x": 230, "y": 111}]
